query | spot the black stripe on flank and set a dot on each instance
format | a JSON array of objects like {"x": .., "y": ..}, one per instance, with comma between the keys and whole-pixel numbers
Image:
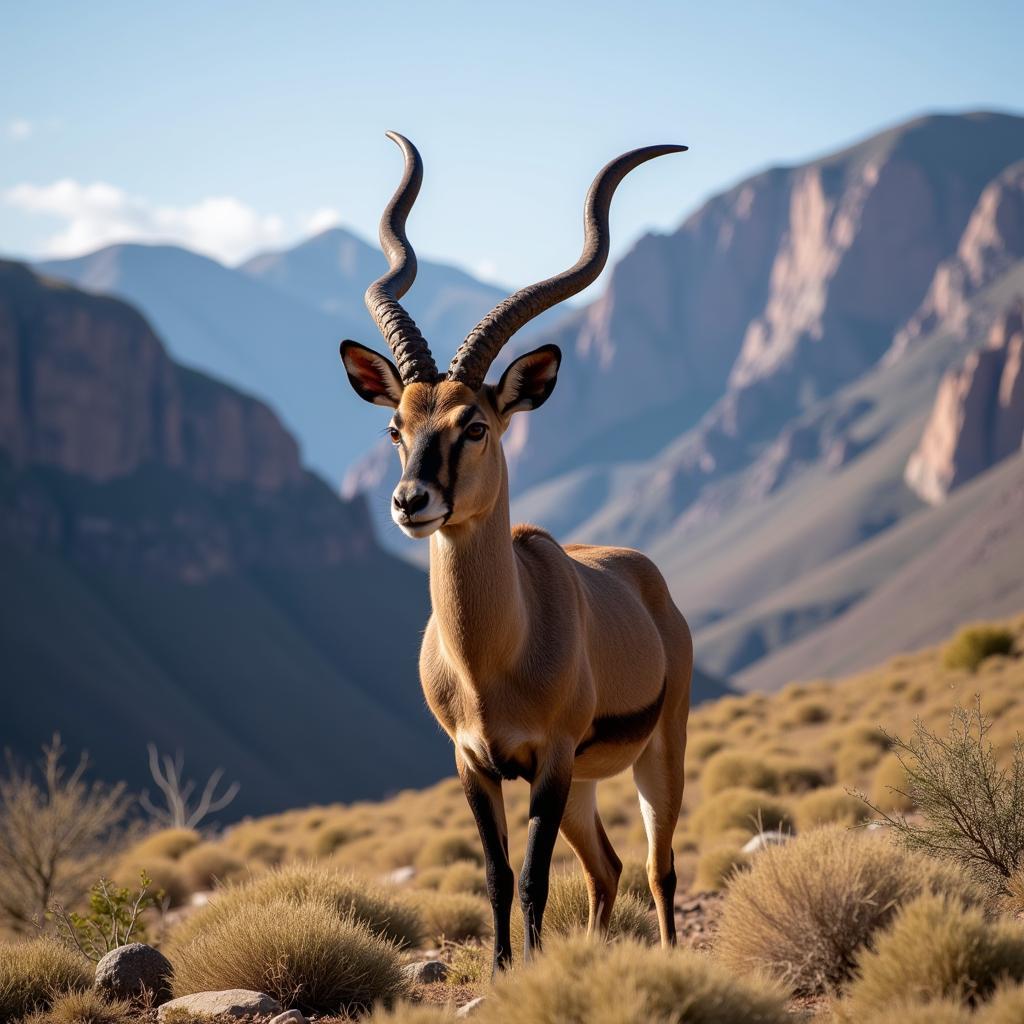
[{"x": 629, "y": 728}]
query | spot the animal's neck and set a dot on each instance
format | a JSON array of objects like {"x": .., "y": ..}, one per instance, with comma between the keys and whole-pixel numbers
[{"x": 476, "y": 593}]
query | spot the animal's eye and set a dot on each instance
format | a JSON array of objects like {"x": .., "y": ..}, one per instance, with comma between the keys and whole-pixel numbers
[
  {"x": 395, "y": 434},
  {"x": 476, "y": 431}
]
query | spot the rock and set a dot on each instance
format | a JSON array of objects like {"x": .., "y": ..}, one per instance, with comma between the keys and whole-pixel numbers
[
  {"x": 131, "y": 971},
  {"x": 400, "y": 875},
  {"x": 289, "y": 1017},
  {"x": 765, "y": 839},
  {"x": 470, "y": 1008},
  {"x": 426, "y": 972},
  {"x": 234, "y": 1002}
]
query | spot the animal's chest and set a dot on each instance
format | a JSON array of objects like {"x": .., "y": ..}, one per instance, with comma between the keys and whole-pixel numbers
[{"x": 509, "y": 757}]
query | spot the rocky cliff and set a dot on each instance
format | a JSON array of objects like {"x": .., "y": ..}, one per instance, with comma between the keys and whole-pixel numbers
[{"x": 978, "y": 416}]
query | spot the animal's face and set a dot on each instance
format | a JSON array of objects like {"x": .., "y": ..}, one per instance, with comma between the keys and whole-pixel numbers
[{"x": 448, "y": 437}]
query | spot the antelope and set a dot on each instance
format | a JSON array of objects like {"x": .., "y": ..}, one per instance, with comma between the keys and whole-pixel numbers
[{"x": 559, "y": 665}]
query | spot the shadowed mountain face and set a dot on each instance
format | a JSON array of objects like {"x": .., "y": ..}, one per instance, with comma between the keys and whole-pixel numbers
[{"x": 171, "y": 573}]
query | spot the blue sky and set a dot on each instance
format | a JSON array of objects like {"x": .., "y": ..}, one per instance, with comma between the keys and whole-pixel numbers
[{"x": 237, "y": 126}]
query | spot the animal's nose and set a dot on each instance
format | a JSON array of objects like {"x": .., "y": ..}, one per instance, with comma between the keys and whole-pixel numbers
[{"x": 410, "y": 501}]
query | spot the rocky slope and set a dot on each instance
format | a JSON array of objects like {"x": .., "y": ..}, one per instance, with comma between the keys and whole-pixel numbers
[{"x": 978, "y": 416}]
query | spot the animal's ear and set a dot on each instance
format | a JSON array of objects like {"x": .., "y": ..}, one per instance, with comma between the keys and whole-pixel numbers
[
  {"x": 373, "y": 377},
  {"x": 528, "y": 382}
]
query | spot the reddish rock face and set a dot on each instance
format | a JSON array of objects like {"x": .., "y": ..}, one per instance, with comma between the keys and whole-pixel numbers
[{"x": 978, "y": 416}]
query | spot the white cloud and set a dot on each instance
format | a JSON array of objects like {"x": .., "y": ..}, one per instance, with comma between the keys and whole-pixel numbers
[
  {"x": 19, "y": 129},
  {"x": 322, "y": 219},
  {"x": 99, "y": 214}
]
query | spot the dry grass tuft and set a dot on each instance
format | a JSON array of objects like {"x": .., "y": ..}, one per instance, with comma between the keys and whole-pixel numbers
[
  {"x": 463, "y": 876},
  {"x": 208, "y": 864},
  {"x": 805, "y": 910},
  {"x": 730, "y": 769},
  {"x": 973, "y": 644},
  {"x": 410, "y": 1013},
  {"x": 580, "y": 981},
  {"x": 34, "y": 973},
  {"x": 717, "y": 866},
  {"x": 890, "y": 786},
  {"x": 739, "y": 808},
  {"x": 171, "y": 843},
  {"x": 451, "y": 916},
  {"x": 302, "y": 953},
  {"x": 831, "y": 805},
  {"x": 1005, "y": 1007},
  {"x": 935, "y": 949},
  {"x": 86, "y": 1007}
]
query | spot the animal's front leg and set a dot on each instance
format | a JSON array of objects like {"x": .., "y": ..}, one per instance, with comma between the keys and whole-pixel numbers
[
  {"x": 483, "y": 794},
  {"x": 548, "y": 794}
]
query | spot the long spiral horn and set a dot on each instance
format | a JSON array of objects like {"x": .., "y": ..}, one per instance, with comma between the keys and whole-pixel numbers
[
  {"x": 485, "y": 341},
  {"x": 410, "y": 348}
]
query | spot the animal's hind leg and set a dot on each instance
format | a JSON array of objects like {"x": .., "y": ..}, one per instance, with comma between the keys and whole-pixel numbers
[
  {"x": 658, "y": 774},
  {"x": 583, "y": 831}
]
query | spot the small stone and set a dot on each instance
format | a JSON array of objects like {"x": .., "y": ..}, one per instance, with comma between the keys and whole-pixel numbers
[
  {"x": 426, "y": 972},
  {"x": 289, "y": 1017},
  {"x": 765, "y": 839},
  {"x": 400, "y": 875},
  {"x": 234, "y": 1002},
  {"x": 470, "y": 1008},
  {"x": 129, "y": 972}
]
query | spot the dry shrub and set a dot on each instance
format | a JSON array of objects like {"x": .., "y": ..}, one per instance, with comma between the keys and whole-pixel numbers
[
  {"x": 34, "y": 973},
  {"x": 936, "y": 1011},
  {"x": 1005, "y": 1007},
  {"x": 86, "y": 1007},
  {"x": 168, "y": 879},
  {"x": 208, "y": 864},
  {"x": 568, "y": 909},
  {"x": 808, "y": 711},
  {"x": 729, "y": 769},
  {"x": 889, "y": 787},
  {"x": 795, "y": 776},
  {"x": 410, "y": 1013},
  {"x": 738, "y": 808},
  {"x": 701, "y": 747},
  {"x": 935, "y": 949},
  {"x": 332, "y": 837},
  {"x": 860, "y": 749},
  {"x": 350, "y": 896},
  {"x": 634, "y": 881},
  {"x": 973, "y": 644},
  {"x": 469, "y": 963},
  {"x": 447, "y": 848},
  {"x": 1015, "y": 892},
  {"x": 717, "y": 866},
  {"x": 451, "y": 916},
  {"x": 828, "y": 806},
  {"x": 171, "y": 843},
  {"x": 805, "y": 909},
  {"x": 302, "y": 953},
  {"x": 580, "y": 981},
  {"x": 463, "y": 876}
]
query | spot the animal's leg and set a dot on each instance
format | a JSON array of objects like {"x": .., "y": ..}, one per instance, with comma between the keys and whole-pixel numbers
[
  {"x": 485, "y": 801},
  {"x": 548, "y": 794},
  {"x": 582, "y": 828},
  {"x": 658, "y": 774}
]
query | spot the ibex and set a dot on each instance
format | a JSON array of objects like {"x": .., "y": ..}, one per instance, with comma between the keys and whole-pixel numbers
[{"x": 560, "y": 665}]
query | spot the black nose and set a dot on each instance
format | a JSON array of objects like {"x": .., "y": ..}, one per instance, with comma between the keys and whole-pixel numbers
[{"x": 410, "y": 502}]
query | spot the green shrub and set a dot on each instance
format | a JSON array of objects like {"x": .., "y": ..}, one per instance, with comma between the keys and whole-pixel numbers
[
  {"x": 351, "y": 896},
  {"x": 828, "y": 806},
  {"x": 302, "y": 953},
  {"x": 971, "y": 809},
  {"x": 34, "y": 973},
  {"x": 579, "y": 981},
  {"x": 804, "y": 910},
  {"x": 738, "y": 808},
  {"x": 568, "y": 909},
  {"x": 114, "y": 918},
  {"x": 208, "y": 864},
  {"x": 716, "y": 867},
  {"x": 729, "y": 769},
  {"x": 973, "y": 644},
  {"x": 451, "y": 916},
  {"x": 935, "y": 949}
]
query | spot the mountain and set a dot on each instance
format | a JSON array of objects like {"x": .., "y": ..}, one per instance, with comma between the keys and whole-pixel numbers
[
  {"x": 273, "y": 325},
  {"x": 171, "y": 573},
  {"x": 744, "y": 397}
]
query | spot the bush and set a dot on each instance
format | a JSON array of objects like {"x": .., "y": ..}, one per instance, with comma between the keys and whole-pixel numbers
[
  {"x": 796, "y": 776},
  {"x": 469, "y": 963},
  {"x": 729, "y": 769},
  {"x": 205, "y": 865},
  {"x": 114, "y": 918},
  {"x": 935, "y": 949},
  {"x": 447, "y": 848},
  {"x": 738, "y": 808},
  {"x": 168, "y": 842},
  {"x": 890, "y": 785},
  {"x": 167, "y": 878},
  {"x": 463, "y": 876},
  {"x": 34, "y": 973},
  {"x": 717, "y": 866},
  {"x": 1015, "y": 892},
  {"x": 410, "y": 1013},
  {"x": 302, "y": 953},
  {"x": 808, "y": 711},
  {"x": 578, "y": 981},
  {"x": 1005, "y": 1007},
  {"x": 973, "y": 644},
  {"x": 451, "y": 916},
  {"x": 700, "y": 748},
  {"x": 350, "y": 896},
  {"x": 805, "y": 909},
  {"x": 568, "y": 910},
  {"x": 634, "y": 881},
  {"x": 329, "y": 839},
  {"x": 972, "y": 809},
  {"x": 828, "y": 806},
  {"x": 86, "y": 1007}
]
